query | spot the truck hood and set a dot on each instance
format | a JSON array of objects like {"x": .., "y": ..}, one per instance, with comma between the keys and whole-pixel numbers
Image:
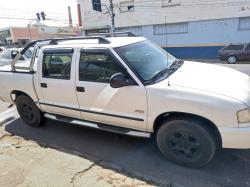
[{"x": 213, "y": 78}]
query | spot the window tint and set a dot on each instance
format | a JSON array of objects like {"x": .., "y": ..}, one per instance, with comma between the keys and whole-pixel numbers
[
  {"x": 97, "y": 67},
  {"x": 57, "y": 65},
  {"x": 248, "y": 47},
  {"x": 235, "y": 47}
]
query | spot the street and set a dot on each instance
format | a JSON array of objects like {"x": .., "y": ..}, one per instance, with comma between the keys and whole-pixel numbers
[
  {"x": 133, "y": 159},
  {"x": 244, "y": 68},
  {"x": 137, "y": 158}
]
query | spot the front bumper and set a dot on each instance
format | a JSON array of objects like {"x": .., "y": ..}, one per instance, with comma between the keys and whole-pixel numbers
[{"x": 237, "y": 138}]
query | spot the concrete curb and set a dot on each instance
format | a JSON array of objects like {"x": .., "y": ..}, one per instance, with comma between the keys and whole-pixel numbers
[{"x": 8, "y": 115}]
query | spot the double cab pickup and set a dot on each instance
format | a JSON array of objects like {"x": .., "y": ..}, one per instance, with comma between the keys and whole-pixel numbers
[{"x": 129, "y": 85}]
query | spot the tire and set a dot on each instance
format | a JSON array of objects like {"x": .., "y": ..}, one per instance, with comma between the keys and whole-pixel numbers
[
  {"x": 28, "y": 111},
  {"x": 186, "y": 142},
  {"x": 231, "y": 60}
]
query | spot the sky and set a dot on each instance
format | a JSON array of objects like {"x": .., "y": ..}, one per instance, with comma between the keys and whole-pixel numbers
[{"x": 54, "y": 9}]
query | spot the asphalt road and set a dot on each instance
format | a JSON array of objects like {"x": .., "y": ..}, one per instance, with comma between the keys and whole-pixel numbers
[
  {"x": 135, "y": 157},
  {"x": 244, "y": 68},
  {"x": 139, "y": 157}
]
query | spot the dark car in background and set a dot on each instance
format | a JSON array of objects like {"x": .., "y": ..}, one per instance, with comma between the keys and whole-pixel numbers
[{"x": 235, "y": 52}]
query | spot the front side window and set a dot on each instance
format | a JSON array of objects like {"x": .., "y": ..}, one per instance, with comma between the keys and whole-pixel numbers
[
  {"x": 97, "y": 67},
  {"x": 57, "y": 65},
  {"x": 146, "y": 59}
]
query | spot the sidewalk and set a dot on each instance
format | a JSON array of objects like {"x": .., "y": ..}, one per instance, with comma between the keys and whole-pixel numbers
[{"x": 26, "y": 163}]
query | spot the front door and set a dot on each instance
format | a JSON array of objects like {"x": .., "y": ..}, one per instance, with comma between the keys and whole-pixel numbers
[
  {"x": 125, "y": 107},
  {"x": 246, "y": 53},
  {"x": 57, "y": 82}
]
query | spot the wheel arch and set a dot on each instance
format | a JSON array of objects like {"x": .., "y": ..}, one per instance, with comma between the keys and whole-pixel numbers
[
  {"x": 174, "y": 115},
  {"x": 15, "y": 93}
]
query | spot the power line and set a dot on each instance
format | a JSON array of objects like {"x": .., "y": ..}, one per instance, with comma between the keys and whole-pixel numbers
[
  {"x": 22, "y": 18},
  {"x": 186, "y": 5}
]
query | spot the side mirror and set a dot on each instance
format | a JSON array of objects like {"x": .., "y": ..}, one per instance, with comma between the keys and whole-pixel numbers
[{"x": 120, "y": 80}]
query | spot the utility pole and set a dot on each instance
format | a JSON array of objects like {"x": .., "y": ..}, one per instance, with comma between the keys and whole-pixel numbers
[
  {"x": 97, "y": 6},
  {"x": 112, "y": 16}
]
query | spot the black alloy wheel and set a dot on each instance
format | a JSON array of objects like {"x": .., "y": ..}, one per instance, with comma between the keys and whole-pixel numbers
[{"x": 28, "y": 111}]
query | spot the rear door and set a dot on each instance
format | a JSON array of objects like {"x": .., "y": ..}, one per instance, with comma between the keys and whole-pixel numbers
[
  {"x": 57, "y": 82},
  {"x": 125, "y": 107}
]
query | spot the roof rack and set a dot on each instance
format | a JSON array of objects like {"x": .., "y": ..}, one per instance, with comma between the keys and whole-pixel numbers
[
  {"x": 114, "y": 34},
  {"x": 101, "y": 40}
]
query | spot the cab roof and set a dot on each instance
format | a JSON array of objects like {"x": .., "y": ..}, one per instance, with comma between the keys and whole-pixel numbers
[{"x": 113, "y": 42}]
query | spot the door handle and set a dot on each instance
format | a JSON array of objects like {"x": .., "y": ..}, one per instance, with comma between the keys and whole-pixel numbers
[
  {"x": 80, "y": 89},
  {"x": 44, "y": 85}
]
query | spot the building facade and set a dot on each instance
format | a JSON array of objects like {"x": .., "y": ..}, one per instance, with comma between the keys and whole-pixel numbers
[
  {"x": 22, "y": 35},
  {"x": 188, "y": 28},
  {"x": 18, "y": 35}
]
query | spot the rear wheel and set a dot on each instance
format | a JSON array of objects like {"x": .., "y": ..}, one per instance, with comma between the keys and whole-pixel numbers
[
  {"x": 231, "y": 60},
  {"x": 186, "y": 142},
  {"x": 28, "y": 111}
]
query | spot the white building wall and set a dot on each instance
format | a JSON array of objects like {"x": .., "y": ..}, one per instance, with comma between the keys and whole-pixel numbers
[
  {"x": 148, "y": 12},
  {"x": 195, "y": 28}
]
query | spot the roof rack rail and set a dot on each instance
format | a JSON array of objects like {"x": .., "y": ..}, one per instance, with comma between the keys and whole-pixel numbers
[
  {"x": 33, "y": 43},
  {"x": 114, "y": 34},
  {"x": 101, "y": 40}
]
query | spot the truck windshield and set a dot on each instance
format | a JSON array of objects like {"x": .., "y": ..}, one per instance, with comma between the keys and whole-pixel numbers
[{"x": 146, "y": 58}]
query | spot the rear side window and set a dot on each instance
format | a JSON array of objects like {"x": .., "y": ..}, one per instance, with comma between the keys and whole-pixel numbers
[
  {"x": 235, "y": 47},
  {"x": 57, "y": 65},
  {"x": 97, "y": 67}
]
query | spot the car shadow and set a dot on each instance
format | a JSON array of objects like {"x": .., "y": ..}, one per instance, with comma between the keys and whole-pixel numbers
[{"x": 136, "y": 157}]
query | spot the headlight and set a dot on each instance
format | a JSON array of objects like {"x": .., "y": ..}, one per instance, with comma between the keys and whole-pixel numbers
[{"x": 244, "y": 116}]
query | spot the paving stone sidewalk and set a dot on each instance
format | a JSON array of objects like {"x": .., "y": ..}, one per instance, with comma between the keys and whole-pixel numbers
[{"x": 25, "y": 163}]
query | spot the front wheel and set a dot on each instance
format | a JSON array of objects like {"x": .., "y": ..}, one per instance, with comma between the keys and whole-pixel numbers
[
  {"x": 186, "y": 142},
  {"x": 231, "y": 60},
  {"x": 28, "y": 111}
]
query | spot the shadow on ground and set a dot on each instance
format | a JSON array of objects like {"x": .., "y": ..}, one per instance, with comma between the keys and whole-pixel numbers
[{"x": 137, "y": 157}]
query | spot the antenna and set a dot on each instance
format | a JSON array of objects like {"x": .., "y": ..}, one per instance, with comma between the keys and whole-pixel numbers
[{"x": 166, "y": 29}]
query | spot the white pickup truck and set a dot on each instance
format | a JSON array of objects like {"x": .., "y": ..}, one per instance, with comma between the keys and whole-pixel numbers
[{"x": 129, "y": 85}]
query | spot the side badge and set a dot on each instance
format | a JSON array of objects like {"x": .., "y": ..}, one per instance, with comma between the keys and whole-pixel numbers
[{"x": 139, "y": 111}]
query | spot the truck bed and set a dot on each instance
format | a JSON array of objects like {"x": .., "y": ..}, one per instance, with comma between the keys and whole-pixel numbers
[{"x": 22, "y": 80}]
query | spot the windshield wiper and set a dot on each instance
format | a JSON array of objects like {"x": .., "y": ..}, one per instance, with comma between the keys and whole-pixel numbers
[
  {"x": 176, "y": 65},
  {"x": 166, "y": 71},
  {"x": 160, "y": 73}
]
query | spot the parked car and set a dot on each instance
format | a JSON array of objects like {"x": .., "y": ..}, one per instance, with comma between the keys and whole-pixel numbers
[
  {"x": 130, "y": 86},
  {"x": 9, "y": 54},
  {"x": 1, "y": 51},
  {"x": 235, "y": 52}
]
